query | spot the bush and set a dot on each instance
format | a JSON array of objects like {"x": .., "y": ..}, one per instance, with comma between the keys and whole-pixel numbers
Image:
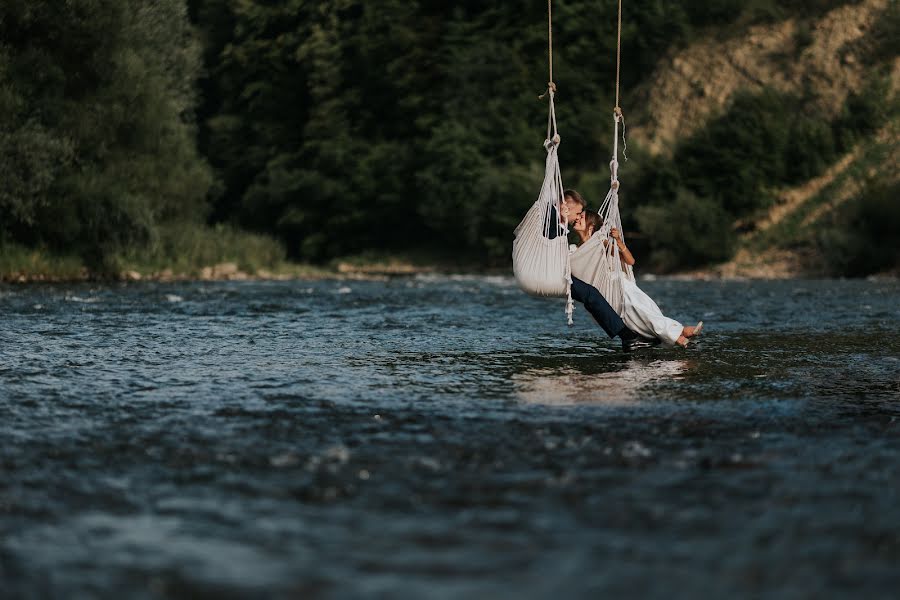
[
  {"x": 96, "y": 141},
  {"x": 690, "y": 232},
  {"x": 186, "y": 248},
  {"x": 760, "y": 142},
  {"x": 865, "y": 111},
  {"x": 20, "y": 261},
  {"x": 862, "y": 237}
]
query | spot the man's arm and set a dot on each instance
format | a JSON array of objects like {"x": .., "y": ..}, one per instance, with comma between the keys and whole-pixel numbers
[{"x": 554, "y": 229}]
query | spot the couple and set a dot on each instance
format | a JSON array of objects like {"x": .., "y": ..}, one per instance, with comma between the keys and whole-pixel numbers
[{"x": 641, "y": 324}]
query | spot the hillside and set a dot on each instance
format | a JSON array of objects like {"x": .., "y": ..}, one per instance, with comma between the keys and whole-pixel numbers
[{"x": 818, "y": 61}]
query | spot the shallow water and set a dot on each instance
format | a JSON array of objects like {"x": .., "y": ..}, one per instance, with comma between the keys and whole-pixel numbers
[{"x": 446, "y": 437}]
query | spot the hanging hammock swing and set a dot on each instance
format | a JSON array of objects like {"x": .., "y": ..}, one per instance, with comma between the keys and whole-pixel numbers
[{"x": 542, "y": 263}]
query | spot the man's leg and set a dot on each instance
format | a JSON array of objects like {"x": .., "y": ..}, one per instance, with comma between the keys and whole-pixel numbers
[{"x": 603, "y": 313}]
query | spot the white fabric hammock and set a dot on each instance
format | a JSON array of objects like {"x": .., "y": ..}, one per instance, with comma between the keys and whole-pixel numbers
[
  {"x": 594, "y": 262},
  {"x": 541, "y": 264},
  {"x": 597, "y": 261}
]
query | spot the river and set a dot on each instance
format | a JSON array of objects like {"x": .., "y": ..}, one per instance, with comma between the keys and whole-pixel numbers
[{"x": 446, "y": 437}]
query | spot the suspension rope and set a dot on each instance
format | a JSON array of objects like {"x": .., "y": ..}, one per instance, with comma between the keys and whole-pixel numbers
[
  {"x": 550, "y": 83},
  {"x": 611, "y": 216},
  {"x": 618, "y": 57},
  {"x": 551, "y": 86},
  {"x": 618, "y": 115}
]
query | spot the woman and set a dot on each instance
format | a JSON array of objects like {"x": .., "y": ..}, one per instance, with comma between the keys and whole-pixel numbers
[{"x": 639, "y": 311}]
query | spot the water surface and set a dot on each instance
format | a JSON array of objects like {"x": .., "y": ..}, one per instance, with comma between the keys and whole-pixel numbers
[{"x": 446, "y": 437}]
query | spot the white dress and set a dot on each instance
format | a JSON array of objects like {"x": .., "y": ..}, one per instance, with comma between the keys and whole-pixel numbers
[
  {"x": 643, "y": 316},
  {"x": 591, "y": 263}
]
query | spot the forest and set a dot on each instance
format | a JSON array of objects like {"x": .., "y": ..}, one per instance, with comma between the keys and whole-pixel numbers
[{"x": 175, "y": 134}]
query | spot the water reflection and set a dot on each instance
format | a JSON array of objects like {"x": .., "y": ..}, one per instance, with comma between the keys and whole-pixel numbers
[{"x": 567, "y": 385}]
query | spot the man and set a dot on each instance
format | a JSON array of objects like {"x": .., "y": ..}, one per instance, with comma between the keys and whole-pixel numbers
[{"x": 572, "y": 209}]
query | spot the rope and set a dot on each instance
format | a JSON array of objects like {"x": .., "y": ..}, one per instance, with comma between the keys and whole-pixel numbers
[
  {"x": 550, "y": 144},
  {"x": 618, "y": 56},
  {"x": 618, "y": 116},
  {"x": 551, "y": 86},
  {"x": 608, "y": 277},
  {"x": 550, "y": 42}
]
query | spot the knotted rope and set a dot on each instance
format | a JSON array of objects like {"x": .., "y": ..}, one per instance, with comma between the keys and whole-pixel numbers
[
  {"x": 550, "y": 144},
  {"x": 610, "y": 285}
]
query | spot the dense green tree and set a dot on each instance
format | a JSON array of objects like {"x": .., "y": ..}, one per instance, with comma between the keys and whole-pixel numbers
[
  {"x": 860, "y": 237},
  {"x": 307, "y": 141},
  {"x": 689, "y": 231},
  {"x": 342, "y": 126},
  {"x": 96, "y": 122}
]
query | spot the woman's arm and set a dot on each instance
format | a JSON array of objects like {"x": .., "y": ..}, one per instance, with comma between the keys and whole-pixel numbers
[{"x": 624, "y": 252}]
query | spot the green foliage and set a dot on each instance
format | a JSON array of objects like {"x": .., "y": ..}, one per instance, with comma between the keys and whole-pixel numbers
[
  {"x": 882, "y": 42},
  {"x": 866, "y": 110},
  {"x": 307, "y": 141},
  {"x": 18, "y": 261},
  {"x": 341, "y": 126},
  {"x": 862, "y": 236},
  {"x": 761, "y": 142},
  {"x": 96, "y": 141},
  {"x": 31, "y": 161},
  {"x": 691, "y": 231},
  {"x": 185, "y": 249}
]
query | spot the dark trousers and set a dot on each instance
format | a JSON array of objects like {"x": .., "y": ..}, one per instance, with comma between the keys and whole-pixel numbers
[{"x": 596, "y": 304}]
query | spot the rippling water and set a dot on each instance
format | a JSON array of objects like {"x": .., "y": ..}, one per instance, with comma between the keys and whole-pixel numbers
[{"x": 446, "y": 437}]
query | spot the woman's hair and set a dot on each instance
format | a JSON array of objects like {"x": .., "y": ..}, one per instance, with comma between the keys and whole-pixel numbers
[
  {"x": 575, "y": 197},
  {"x": 593, "y": 220}
]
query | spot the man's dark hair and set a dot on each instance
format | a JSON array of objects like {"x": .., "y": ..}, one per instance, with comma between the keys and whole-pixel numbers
[{"x": 574, "y": 197}]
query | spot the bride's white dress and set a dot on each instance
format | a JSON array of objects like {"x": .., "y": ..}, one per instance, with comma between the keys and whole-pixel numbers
[
  {"x": 591, "y": 263},
  {"x": 643, "y": 316}
]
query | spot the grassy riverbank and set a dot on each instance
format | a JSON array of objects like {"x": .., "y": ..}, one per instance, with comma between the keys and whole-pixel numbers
[
  {"x": 22, "y": 265},
  {"x": 180, "y": 252},
  {"x": 189, "y": 252}
]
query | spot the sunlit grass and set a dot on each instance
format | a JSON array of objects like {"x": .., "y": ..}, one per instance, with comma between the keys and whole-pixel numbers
[
  {"x": 186, "y": 249},
  {"x": 18, "y": 262}
]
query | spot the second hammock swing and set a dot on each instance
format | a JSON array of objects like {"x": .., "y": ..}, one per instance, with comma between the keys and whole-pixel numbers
[{"x": 542, "y": 263}]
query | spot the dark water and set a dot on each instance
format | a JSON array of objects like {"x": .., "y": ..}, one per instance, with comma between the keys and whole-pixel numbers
[{"x": 446, "y": 438}]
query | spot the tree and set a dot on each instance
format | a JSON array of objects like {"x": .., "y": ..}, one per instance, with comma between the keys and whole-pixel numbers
[{"x": 97, "y": 123}]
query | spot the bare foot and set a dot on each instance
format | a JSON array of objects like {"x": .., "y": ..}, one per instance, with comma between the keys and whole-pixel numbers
[
  {"x": 682, "y": 341},
  {"x": 692, "y": 331}
]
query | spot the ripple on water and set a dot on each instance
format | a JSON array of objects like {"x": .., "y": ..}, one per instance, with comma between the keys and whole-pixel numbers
[{"x": 445, "y": 436}]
